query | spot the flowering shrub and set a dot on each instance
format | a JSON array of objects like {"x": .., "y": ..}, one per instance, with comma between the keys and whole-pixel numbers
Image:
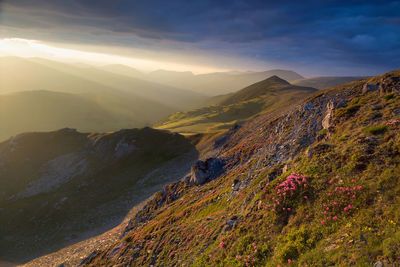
[
  {"x": 393, "y": 123},
  {"x": 282, "y": 198},
  {"x": 341, "y": 201}
]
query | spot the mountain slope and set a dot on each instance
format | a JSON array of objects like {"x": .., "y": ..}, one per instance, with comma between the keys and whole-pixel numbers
[
  {"x": 59, "y": 187},
  {"x": 315, "y": 186},
  {"x": 326, "y": 81},
  {"x": 46, "y": 110},
  {"x": 267, "y": 95}
]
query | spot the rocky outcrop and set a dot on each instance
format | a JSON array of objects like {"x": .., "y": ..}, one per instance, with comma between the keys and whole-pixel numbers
[
  {"x": 205, "y": 171},
  {"x": 369, "y": 88},
  {"x": 389, "y": 85},
  {"x": 326, "y": 122}
]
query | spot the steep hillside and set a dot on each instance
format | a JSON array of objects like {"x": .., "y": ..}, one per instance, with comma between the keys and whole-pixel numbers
[
  {"x": 46, "y": 110},
  {"x": 326, "y": 81},
  {"x": 212, "y": 84},
  {"x": 270, "y": 94},
  {"x": 315, "y": 186},
  {"x": 57, "y": 188}
]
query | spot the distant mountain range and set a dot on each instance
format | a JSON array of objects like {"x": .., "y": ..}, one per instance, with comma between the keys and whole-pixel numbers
[
  {"x": 264, "y": 96},
  {"x": 211, "y": 83},
  {"x": 39, "y": 95}
]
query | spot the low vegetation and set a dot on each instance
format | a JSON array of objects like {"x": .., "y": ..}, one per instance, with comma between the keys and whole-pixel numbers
[{"x": 318, "y": 202}]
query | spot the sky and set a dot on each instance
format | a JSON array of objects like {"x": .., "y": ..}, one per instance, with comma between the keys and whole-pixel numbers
[{"x": 310, "y": 37}]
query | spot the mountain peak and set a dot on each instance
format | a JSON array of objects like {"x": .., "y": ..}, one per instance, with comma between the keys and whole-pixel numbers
[
  {"x": 271, "y": 84},
  {"x": 275, "y": 79}
]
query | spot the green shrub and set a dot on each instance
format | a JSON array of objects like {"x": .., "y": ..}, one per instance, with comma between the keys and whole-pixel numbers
[
  {"x": 347, "y": 111},
  {"x": 389, "y": 96},
  {"x": 296, "y": 242},
  {"x": 391, "y": 247},
  {"x": 375, "y": 130},
  {"x": 323, "y": 132}
]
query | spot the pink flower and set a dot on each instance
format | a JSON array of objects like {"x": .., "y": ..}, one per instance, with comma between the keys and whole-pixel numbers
[
  {"x": 305, "y": 197},
  {"x": 335, "y": 203},
  {"x": 353, "y": 196},
  {"x": 328, "y": 218},
  {"x": 222, "y": 244},
  {"x": 238, "y": 257},
  {"x": 289, "y": 261},
  {"x": 284, "y": 208},
  {"x": 345, "y": 209},
  {"x": 325, "y": 212},
  {"x": 307, "y": 216},
  {"x": 327, "y": 208},
  {"x": 360, "y": 187},
  {"x": 353, "y": 181},
  {"x": 289, "y": 209},
  {"x": 322, "y": 222},
  {"x": 350, "y": 206},
  {"x": 335, "y": 218},
  {"x": 305, "y": 185}
]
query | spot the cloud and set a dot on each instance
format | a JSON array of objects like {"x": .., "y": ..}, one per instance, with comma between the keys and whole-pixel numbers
[{"x": 355, "y": 35}]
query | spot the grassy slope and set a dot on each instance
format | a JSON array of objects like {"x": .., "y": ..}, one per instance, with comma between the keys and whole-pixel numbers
[
  {"x": 265, "y": 96},
  {"x": 358, "y": 156},
  {"x": 98, "y": 197}
]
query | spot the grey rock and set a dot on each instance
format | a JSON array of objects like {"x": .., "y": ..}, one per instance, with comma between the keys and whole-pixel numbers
[
  {"x": 205, "y": 171},
  {"x": 369, "y": 88},
  {"x": 327, "y": 120}
]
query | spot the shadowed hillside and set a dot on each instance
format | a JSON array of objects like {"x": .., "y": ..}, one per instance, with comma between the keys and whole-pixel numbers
[{"x": 79, "y": 184}]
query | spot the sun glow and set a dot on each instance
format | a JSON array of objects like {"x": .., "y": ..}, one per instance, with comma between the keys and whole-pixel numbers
[{"x": 33, "y": 48}]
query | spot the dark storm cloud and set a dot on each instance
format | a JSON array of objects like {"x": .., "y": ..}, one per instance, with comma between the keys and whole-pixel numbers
[{"x": 352, "y": 34}]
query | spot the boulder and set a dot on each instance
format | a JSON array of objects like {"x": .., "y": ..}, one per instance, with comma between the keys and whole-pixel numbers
[
  {"x": 369, "y": 88},
  {"x": 205, "y": 171}
]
